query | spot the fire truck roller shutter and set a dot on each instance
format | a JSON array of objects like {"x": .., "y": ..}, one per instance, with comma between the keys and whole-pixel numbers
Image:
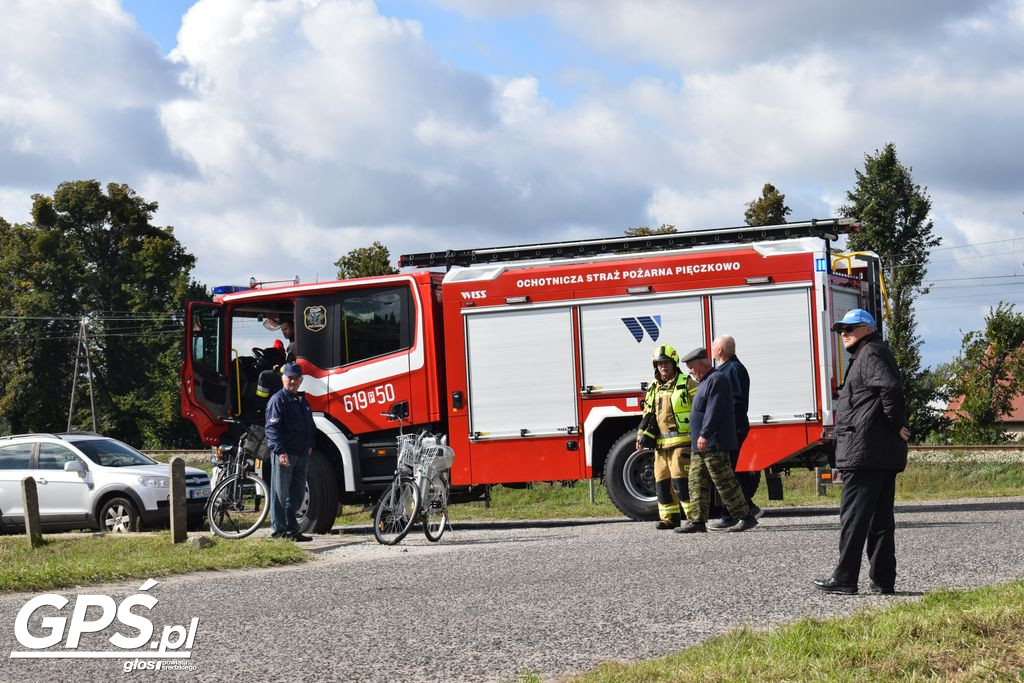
[
  {"x": 619, "y": 338},
  {"x": 772, "y": 329},
  {"x": 521, "y": 372}
]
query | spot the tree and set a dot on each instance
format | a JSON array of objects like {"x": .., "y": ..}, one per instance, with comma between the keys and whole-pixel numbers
[
  {"x": 643, "y": 231},
  {"x": 768, "y": 209},
  {"x": 365, "y": 262},
  {"x": 94, "y": 255},
  {"x": 986, "y": 376},
  {"x": 893, "y": 212}
]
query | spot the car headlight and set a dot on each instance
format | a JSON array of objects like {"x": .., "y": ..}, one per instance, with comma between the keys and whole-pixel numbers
[{"x": 155, "y": 482}]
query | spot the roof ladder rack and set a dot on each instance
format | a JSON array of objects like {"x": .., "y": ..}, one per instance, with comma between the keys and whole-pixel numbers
[{"x": 826, "y": 229}]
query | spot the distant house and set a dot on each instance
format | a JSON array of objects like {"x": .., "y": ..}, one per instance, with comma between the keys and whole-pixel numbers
[{"x": 1012, "y": 423}]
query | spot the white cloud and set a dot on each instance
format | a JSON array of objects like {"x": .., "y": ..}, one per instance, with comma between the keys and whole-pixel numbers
[
  {"x": 278, "y": 135},
  {"x": 78, "y": 90}
]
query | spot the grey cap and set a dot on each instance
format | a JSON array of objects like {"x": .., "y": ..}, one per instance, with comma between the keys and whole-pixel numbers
[{"x": 696, "y": 354}]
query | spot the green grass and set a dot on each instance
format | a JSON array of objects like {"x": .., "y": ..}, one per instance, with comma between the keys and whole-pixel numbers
[
  {"x": 921, "y": 481},
  {"x": 947, "y": 635},
  {"x": 78, "y": 560}
]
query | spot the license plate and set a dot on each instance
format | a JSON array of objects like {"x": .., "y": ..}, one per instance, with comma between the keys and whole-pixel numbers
[{"x": 200, "y": 493}]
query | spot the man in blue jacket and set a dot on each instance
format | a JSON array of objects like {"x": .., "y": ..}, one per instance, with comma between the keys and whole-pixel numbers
[
  {"x": 871, "y": 438},
  {"x": 289, "y": 431},
  {"x": 712, "y": 435},
  {"x": 723, "y": 350}
]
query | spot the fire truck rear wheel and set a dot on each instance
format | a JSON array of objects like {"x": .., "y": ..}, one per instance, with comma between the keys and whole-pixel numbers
[
  {"x": 629, "y": 478},
  {"x": 322, "y": 503}
]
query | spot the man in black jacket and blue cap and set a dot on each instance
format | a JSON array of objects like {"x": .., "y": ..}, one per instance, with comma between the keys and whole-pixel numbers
[{"x": 871, "y": 438}]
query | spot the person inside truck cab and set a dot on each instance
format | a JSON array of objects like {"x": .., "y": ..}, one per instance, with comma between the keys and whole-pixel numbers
[{"x": 288, "y": 330}]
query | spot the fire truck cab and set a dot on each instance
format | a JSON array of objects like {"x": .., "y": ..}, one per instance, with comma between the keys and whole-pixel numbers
[{"x": 533, "y": 359}]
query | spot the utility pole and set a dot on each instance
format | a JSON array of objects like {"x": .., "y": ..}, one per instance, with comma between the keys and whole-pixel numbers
[{"x": 83, "y": 345}]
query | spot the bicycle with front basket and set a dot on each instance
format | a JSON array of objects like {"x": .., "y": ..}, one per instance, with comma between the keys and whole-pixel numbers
[
  {"x": 420, "y": 487},
  {"x": 240, "y": 501}
]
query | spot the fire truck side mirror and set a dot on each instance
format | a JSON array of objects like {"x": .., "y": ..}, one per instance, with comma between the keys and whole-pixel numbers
[{"x": 398, "y": 411}]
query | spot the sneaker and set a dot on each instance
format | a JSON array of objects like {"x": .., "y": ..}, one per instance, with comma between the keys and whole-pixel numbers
[
  {"x": 748, "y": 522},
  {"x": 663, "y": 525},
  {"x": 756, "y": 511},
  {"x": 299, "y": 537},
  {"x": 881, "y": 590},
  {"x": 722, "y": 524},
  {"x": 692, "y": 528},
  {"x": 830, "y": 585}
]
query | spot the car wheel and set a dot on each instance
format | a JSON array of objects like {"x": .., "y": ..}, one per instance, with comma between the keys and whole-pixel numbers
[{"x": 119, "y": 516}]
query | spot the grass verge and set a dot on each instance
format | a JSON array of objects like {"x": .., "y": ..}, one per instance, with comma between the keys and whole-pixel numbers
[
  {"x": 921, "y": 481},
  {"x": 947, "y": 635},
  {"x": 78, "y": 560}
]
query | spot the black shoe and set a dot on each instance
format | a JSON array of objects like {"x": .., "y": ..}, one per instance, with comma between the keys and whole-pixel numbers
[
  {"x": 299, "y": 537},
  {"x": 748, "y": 522},
  {"x": 881, "y": 590},
  {"x": 663, "y": 525},
  {"x": 722, "y": 524},
  {"x": 692, "y": 528},
  {"x": 756, "y": 511},
  {"x": 279, "y": 534},
  {"x": 830, "y": 585}
]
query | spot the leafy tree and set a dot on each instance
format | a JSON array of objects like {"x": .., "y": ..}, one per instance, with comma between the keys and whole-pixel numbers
[
  {"x": 95, "y": 255},
  {"x": 986, "y": 376},
  {"x": 365, "y": 262},
  {"x": 893, "y": 212},
  {"x": 644, "y": 231},
  {"x": 768, "y": 209}
]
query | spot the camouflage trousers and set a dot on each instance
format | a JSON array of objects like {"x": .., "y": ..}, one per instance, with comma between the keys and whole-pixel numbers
[
  {"x": 713, "y": 467},
  {"x": 671, "y": 466}
]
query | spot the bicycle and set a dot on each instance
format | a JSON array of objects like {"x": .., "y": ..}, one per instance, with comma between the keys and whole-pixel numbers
[
  {"x": 419, "y": 489},
  {"x": 240, "y": 501}
]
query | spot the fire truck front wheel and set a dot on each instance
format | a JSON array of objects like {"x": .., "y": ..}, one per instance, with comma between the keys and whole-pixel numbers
[
  {"x": 320, "y": 507},
  {"x": 629, "y": 478}
]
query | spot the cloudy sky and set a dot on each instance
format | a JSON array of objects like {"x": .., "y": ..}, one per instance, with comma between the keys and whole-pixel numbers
[{"x": 277, "y": 135}]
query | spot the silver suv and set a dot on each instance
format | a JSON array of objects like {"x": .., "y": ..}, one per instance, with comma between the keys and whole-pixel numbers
[{"x": 87, "y": 480}]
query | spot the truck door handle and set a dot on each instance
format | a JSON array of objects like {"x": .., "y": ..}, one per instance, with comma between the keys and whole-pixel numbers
[{"x": 42, "y": 480}]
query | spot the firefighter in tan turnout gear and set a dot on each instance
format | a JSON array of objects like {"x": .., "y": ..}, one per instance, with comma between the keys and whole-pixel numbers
[{"x": 666, "y": 427}]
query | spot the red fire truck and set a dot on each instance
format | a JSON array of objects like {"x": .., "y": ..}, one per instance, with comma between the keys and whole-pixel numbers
[{"x": 532, "y": 359}]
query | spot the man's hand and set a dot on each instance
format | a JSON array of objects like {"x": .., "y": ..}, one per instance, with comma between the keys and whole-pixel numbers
[
  {"x": 702, "y": 443},
  {"x": 283, "y": 459},
  {"x": 905, "y": 433}
]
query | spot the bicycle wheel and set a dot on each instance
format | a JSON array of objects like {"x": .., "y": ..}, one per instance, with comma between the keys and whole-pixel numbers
[
  {"x": 435, "y": 509},
  {"x": 238, "y": 507},
  {"x": 396, "y": 512}
]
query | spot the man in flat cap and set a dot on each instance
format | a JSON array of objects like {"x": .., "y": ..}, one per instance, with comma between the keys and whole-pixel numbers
[
  {"x": 712, "y": 435},
  {"x": 871, "y": 438}
]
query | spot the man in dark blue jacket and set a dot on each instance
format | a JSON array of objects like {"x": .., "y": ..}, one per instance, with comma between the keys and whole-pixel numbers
[
  {"x": 289, "y": 430},
  {"x": 871, "y": 437},
  {"x": 723, "y": 350},
  {"x": 712, "y": 435}
]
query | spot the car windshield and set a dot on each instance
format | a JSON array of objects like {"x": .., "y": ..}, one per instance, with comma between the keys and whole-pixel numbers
[{"x": 109, "y": 453}]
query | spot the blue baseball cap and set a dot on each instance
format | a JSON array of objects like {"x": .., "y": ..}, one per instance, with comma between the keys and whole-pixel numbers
[
  {"x": 855, "y": 316},
  {"x": 292, "y": 370}
]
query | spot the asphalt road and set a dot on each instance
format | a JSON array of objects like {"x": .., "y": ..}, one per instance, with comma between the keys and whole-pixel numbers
[{"x": 494, "y": 600}]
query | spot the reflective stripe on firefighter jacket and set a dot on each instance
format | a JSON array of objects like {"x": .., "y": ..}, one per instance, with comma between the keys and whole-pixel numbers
[{"x": 680, "y": 393}]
